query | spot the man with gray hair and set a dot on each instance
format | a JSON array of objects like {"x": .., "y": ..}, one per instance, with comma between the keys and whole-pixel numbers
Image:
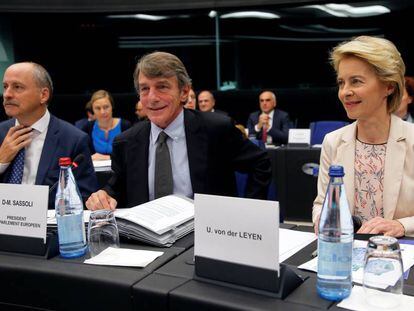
[
  {"x": 269, "y": 124},
  {"x": 177, "y": 151},
  {"x": 33, "y": 140}
]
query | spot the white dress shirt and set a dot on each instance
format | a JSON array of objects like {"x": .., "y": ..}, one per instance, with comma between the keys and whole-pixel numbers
[
  {"x": 33, "y": 151},
  {"x": 177, "y": 145}
]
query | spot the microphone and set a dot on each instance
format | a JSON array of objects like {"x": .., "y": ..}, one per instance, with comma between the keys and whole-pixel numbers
[
  {"x": 357, "y": 221},
  {"x": 75, "y": 163}
]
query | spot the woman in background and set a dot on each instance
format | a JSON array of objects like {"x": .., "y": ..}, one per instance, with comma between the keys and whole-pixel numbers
[
  {"x": 192, "y": 100},
  {"x": 377, "y": 150},
  {"x": 105, "y": 127}
]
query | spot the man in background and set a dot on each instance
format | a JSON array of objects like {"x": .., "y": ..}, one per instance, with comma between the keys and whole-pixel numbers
[
  {"x": 206, "y": 103},
  {"x": 80, "y": 124},
  {"x": 33, "y": 140},
  {"x": 140, "y": 112},
  {"x": 269, "y": 124},
  {"x": 177, "y": 151}
]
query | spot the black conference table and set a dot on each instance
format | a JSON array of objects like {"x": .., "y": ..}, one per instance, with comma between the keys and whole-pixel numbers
[
  {"x": 68, "y": 284},
  {"x": 168, "y": 283},
  {"x": 173, "y": 287}
]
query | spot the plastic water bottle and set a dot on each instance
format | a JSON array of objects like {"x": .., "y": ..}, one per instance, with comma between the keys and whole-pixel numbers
[
  {"x": 69, "y": 213},
  {"x": 336, "y": 234}
]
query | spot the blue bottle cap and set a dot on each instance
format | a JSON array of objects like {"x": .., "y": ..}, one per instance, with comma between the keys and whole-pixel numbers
[{"x": 336, "y": 171}]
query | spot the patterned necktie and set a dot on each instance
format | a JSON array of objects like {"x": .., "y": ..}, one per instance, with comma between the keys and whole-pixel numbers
[
  {"x": 17, "y": 166},
  {"x": 264, "y": 134},
  {"x": 163, "y": 179}
]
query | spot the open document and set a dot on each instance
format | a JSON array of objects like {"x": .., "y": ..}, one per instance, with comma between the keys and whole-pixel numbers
[{"x": 159, "y": 222}]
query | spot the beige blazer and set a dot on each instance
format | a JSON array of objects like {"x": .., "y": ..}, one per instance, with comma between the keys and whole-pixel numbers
[{"x": 398, "y": 198}]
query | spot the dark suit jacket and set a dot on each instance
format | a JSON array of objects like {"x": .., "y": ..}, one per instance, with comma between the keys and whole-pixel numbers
[
  {"x": 62, "y": 140},
  {"x": 221, "y": 112},
  {"x": 280, "y": 126},
  {"x": 81, "y": 123},
  {"x": 88, "y": 128},
  {"x": 215, "y": 149}
]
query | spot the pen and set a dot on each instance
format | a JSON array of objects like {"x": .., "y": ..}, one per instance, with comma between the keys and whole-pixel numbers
[{"x": 314, "y": 254}]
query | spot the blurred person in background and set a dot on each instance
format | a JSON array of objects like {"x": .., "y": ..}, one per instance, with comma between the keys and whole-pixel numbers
[
  {"x": 207, "y": 102},
  {"x": 269, "y": 122},
  {"x": 140, "y": 112},
  {"x": 89, "y": 116},
  {"x": 192, "y": 100},
  {"x": 405, "y": 109},
  {"x": 105, "y": 127}
]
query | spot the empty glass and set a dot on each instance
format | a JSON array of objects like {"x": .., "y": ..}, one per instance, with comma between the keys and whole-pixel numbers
[
  {"x": 383, "y": 272},
  {"x": 102, "y": 231}
]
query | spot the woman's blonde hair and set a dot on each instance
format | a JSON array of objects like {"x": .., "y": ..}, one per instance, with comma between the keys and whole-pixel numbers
[
  {"x": 384, "y": 58},
  {"x": 102, "y": 94}
]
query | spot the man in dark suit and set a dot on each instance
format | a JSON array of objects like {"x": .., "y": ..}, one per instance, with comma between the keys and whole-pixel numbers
[
  {"x": 207, "y": 102},
  {"x": 27, "y": 90},
  {"x": 274, "y": 121},
  {"x": 80, "y": 124},
  {"x": 205, "y": 148}
]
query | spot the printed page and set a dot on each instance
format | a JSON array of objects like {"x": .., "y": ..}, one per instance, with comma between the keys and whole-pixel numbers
[{"x": 159, "y": 215}]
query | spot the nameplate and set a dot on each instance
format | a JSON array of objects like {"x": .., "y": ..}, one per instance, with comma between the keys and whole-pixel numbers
[
  {"x": 236, "y": 230},
  {"x": 23, "y": 210},
  {"x": 299, "y": 136}
]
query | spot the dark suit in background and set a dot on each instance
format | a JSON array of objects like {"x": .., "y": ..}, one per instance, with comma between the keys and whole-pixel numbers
[
  {"x": 280, "y": 126},
  {"x": 221, "y": 112},
  {"x": 215, "y": 149},
  {"x": 62, "y": 140},
  {"x": 81, "y": 123}
]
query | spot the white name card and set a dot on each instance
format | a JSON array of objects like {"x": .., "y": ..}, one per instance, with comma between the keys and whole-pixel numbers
[
  {"x": 299, "y": 136},
  {"x": 236, "y": 230},
  {"x": 23, "y": 210}
]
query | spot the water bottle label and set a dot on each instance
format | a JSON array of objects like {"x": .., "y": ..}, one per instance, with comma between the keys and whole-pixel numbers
[
  {"x": 71, "y": 229},
  {"x": 334, "y": 259}
]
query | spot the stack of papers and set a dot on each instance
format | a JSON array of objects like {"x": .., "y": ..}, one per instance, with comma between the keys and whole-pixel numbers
[
  {"x": 159, "y": 222},
  {"x": 102, "y": 165},
  {"x": 291, "y": 242}
]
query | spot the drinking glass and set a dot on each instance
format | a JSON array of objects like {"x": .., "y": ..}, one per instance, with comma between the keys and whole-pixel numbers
[
  {"x": 102, "y": 231},
  {"x": 383, "y": 272}
]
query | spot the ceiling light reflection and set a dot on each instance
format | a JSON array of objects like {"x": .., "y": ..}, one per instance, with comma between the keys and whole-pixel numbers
[
  {"x": 345, "y": 10},
  {"x": 250, "y": 14}
]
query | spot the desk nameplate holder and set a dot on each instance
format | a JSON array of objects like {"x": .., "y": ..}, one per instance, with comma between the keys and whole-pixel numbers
[
  {"x": 299, "y": 138},
  {"x": 252, "y": 279},
  {"x": 30, "y": 245},
  {"x": 23, "y": 220},
  {"x": 240, "y": 249}
]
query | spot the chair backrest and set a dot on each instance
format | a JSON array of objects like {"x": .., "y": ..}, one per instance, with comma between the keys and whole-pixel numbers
[{"x": 320, "y": 128}]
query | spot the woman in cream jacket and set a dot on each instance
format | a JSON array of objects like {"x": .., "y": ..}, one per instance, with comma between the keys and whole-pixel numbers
[{"x": 377, "y": 150}]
